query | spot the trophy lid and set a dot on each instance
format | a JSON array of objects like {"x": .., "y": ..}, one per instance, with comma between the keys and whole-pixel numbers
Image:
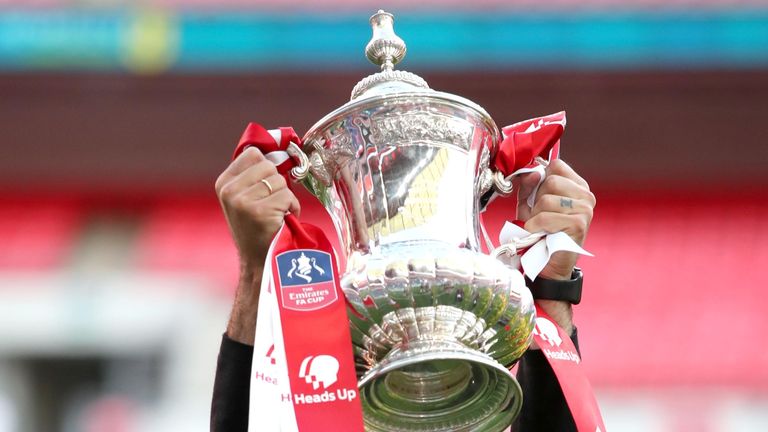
[
  {"x": 386, "y": 49},
  {"x": 396, "y": 89}
]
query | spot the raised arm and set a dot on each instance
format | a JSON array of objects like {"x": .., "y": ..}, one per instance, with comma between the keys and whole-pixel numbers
[
  {"x": 564, "y": 202},
  {"x": 254, "y": 199}
]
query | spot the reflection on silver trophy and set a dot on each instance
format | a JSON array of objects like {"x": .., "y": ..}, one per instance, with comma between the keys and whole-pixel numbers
[{"x": 435, "y": 323}]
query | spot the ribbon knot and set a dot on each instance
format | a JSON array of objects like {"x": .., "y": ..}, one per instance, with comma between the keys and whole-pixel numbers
[
  {"x": 537, "y": 249},
  {"x": 525, "y": 141},
  {"x": 272, "y": 143}
]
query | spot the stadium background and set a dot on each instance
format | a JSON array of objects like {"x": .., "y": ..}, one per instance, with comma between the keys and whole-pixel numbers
[{"x": 117, "y": 271}]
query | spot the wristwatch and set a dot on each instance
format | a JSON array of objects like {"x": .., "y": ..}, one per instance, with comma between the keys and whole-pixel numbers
[{"x": 562, "y": 290}]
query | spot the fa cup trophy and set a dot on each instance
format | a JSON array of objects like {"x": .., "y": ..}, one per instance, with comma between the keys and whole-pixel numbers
[{"x": 436, "y": 324}]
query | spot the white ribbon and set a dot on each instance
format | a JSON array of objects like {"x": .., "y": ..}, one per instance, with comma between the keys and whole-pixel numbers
[
  {"x": 541, "y": 163},
  {"x": 541, "y": 169},
  {"x": 537, "y": 256},
  {"x": 268, "y": 409},
  {"x": 277, "y": 157}
]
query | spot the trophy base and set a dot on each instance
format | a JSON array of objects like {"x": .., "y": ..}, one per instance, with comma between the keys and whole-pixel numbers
[{"x": 439, "y": 385}]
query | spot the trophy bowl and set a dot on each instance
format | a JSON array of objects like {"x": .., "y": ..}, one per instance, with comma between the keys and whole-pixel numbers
[{"x": 436, "y": 324}]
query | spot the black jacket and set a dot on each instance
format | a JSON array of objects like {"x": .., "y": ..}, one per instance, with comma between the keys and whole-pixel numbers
[{"x": 544, "y": 407}]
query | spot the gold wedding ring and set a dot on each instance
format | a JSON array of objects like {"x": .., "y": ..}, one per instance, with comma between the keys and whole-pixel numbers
[{"x": 269, "y": 186}]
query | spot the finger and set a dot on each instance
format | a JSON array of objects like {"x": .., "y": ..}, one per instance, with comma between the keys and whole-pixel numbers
[
  {"x": 252, "y": 176},
  {"x": 561, "y": 204},
  {"x": 276, "y": 183},
  {"x": 294, "y": 207},
  {"x": 268, "y": 195},
  {"x": 259, "y": 191},
  {"x": 525, "y": 183},
  {"x": 562, "y": 186},
  {"x": 560, "y": 168},
  {"x": 249, "y": 157},
  {"x": 282, "y": 202},
  {"x": 575, "y": 225}
]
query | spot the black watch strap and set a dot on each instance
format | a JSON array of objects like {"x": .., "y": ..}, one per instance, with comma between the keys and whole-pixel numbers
[{"x": 562, "y": 290}]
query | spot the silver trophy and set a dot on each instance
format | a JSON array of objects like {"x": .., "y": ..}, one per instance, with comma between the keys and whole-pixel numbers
[{"x": 436, "y": 324}]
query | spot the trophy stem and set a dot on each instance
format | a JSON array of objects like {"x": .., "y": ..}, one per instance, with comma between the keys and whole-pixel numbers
[
  {"x": 439, "y": 381},
  {"x": 439, "y": 385}
]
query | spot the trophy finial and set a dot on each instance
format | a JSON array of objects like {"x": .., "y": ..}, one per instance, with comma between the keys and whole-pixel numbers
[{"x": 385, "y": 49}]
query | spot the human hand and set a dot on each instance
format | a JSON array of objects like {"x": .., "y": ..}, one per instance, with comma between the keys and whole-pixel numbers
[
  {"x": 254, "y": 213},
  {"x": 564, "y": 203}
]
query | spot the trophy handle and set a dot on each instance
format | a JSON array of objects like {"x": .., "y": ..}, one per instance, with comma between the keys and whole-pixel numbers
[
  {"x": 307, "y": 164},
  {"x": 491, "y": 179},
  {"x": 301, "y": 170},
  {"x": 501, "y": 185},
  {"x": 517, "y": 244}
]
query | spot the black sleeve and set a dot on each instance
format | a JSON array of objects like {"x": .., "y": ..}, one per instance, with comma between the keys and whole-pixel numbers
[
  {"x": 544, "y": 407},
  {"x": 231, "y": 389}
]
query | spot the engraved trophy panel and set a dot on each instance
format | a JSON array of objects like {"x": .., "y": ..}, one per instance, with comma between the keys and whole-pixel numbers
[
  {"x": 401, "y": 171},
  {"x": 435, "y": 323}
]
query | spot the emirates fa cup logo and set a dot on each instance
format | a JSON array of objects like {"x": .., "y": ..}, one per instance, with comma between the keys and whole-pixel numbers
[
  {"x": 302, "y": 267},
  {"x": 306, "y": 279}
]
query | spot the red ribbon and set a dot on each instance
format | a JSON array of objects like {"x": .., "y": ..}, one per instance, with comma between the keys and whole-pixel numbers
[
  {"x": 316, "y": 337},
  {"x": 317, "y": 340},
  {"x": 257, "y": 136},
  {"x": 524, "y": 141},
  {"x": 566, "y": 363}
]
